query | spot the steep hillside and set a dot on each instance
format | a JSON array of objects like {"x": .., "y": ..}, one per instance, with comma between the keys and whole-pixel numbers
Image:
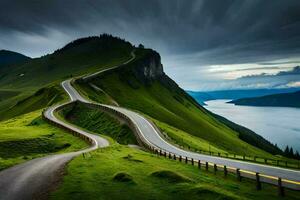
[
  {"x": 143, "y": 86},
  {"x": 281, "y": 100},
  {"x": 42, "y": 98},
  {"x": 76, "y": 58},
  {"x": 98, "y": 122},
  {"x": 19, "y": 84}
]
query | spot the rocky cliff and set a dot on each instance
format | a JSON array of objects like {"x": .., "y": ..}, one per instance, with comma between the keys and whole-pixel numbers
[{"x": 149, "y": 68}]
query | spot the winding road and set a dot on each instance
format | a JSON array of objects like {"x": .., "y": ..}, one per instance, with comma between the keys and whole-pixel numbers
[{"x": 34, "y": 178}]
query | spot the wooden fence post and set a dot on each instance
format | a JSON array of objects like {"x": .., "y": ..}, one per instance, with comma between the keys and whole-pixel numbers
[
  {"x": 186, "y": 160},
  {"x": 215, "y": 168},
  {"x": 258, "y": 183},
  {"x": 280, "y": 188},
  {"x": 169, "y": 155},
  {"x": 225, "y": 171},
  {"x": 206, "y": 166},
  {"x": 165, "y": 154},
  {"x": 180, "y": 158},
  {"x": 238, "y": 174},
  {"x": 199, "y": 164},
  {"x": 174, "y": 157},
  {"x": 192, "y": 161}
]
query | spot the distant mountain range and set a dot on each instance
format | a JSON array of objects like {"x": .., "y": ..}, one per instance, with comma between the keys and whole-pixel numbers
[
  {"x": 280, "y": 100},
  {"x": 201, "y": 97}
]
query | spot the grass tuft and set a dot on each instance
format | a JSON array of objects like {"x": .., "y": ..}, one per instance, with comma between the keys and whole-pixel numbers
[
  {"x": 130, "y": 158},
  {"x": 170, "y": 176},
  {"x": 123, "y": 177},
  {"x": 210, "y": 193}
]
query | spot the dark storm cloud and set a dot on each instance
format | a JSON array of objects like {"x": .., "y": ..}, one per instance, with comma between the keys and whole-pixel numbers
[
  {"x": 187, "y": 33},
  {"x": 180, "y": 26}
]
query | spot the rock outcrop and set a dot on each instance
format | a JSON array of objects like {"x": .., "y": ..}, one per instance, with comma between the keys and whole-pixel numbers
[{"x": 149, "y": 68}]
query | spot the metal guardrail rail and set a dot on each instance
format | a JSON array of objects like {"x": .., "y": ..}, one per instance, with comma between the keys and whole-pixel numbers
[{"x": 254, "y": 159}]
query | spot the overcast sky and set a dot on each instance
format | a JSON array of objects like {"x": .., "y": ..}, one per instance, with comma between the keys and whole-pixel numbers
[{"x": 204, "y": 44}]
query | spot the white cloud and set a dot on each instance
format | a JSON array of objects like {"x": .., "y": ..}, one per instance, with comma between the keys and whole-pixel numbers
[{"x": 294, "y": 84}]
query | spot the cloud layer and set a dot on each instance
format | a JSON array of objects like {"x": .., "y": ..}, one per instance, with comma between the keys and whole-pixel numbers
[{"x": 190, "y": 35}]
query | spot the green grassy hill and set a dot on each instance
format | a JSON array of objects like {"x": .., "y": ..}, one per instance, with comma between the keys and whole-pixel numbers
[
  {"x": 98, "y": 122},
  {"x": 19, "y": 84},
  {"x": 142, "y": 86},
  {"x": 26, "y": 102},
  {"x": 76, "y": 58}
]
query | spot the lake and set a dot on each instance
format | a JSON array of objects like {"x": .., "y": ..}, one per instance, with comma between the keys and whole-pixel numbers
[{"x": 279, "y": 125}]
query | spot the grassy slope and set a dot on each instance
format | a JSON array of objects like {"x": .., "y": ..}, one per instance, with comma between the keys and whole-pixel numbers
[
  {"x": 98, "y": 122},
  {"x": 119, "y": 172},
  {"x": 183, "y": 139},
  {"x": 79, "y": 57},
  {"x": 42, "y": 98},
  {"x": 170, "y": 105},
  {"x": 28, "y": 136},
  {"x": 5, "y": 94},
  {"x": 76, "y": 58}
]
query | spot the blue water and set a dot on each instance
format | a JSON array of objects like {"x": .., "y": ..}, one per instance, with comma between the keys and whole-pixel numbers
[{"x": 279, "y": 125}]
